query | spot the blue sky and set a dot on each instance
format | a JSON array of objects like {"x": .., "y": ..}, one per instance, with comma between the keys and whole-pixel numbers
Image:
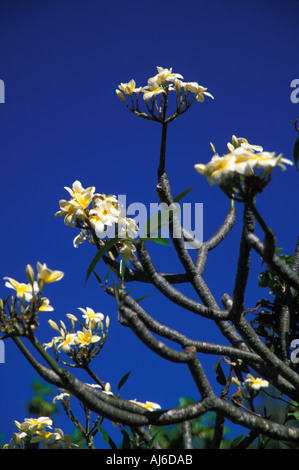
[{"x": 61, "y": 62}]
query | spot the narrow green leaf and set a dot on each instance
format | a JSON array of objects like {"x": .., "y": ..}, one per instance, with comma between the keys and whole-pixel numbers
[
  {"x": 152, "y": 441},
  {"x": 123, "y": 381},
  {"x": 126, "y": 443},
  {"x": 123, "y": 296},
  {"x": 180, "y": 196},
  {"x": 141, "y": 298},
  {"x": 116, "y": 291},
  {"x": 158, "y": 221},
  {"x": 107, "y": 275},
  {"x": 122, "y": 267},
  {"x": 107, "y": 438},
  {"x": 100, "y": 255},
  {"x": 236, "y": 441},
  {"x": 98, "y": 278},
  {"x": 296, "y": 153},
  {"x": 159, "y": 240}
]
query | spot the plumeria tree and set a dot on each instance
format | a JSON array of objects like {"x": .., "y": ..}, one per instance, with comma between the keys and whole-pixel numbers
[{"x": 256, "y": 355}]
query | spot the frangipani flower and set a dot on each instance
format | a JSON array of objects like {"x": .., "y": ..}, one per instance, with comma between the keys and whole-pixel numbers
[
  {"x": 268, "y": 161},
  {"x": 78, "y": 192},
  {"x": 63, "y": 342},
  {"x": 86, "y": 337},
  {"x": 199, "y": 90},
  {"x": 66, "y": 341},
  {"x": 47, "y": 437},
  {"x": 23, "y": 291},
  {"x": 54, "y": 440},
  {"x": 149, "y": 405},
  {"x": 91, "y": 317},
  {"x": 104, "y": 214},
  {"x": 70, "y": 210},
  {"x": 242, "y": 142},
  {"x": 127, "y": 228},
  {"x": 128, "y": 88},
  {"x": 165, "y": 75},
  {"x": 46, "y": 275},
  {"x": 62, "y": 441},
  {"x": 152, "y": 90},
  {"x": 61, "y": 396},
  {"x": 34, "y": 424},
  {"x": 256, "y": 383},
  {"x": 127, "y": 250}
]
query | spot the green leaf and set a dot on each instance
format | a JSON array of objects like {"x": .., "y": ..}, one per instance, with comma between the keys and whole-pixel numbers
[
  {"x": 159, "y": 240},
  {"x": 141, "y": 298},
  {"x": 116, "y": 291},
  {"x": 123, "y": 296},
  {"x": 182, "y": 194},
  {"x": 98, "y": 278},
  {"x": 126, "y": 443},
  {"x": 220, "y": 377},
  {"x": 123, "y": 381},
  {"x": 236, "y": 441},
  {"x": 101, "y": 252},
  {"x": 107, "y": 275},
  {"x": 293, "y": 415},
  {"x": 158, "y": 221},
  {"x": 122, "y": 267},
  {"x": 152, "y": 441},
  {"x": 107, "y": 438},
  {"x": 296, "y": 153}
]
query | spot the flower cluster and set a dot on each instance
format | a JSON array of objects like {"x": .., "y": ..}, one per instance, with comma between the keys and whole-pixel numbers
[
  {"x": 34, "y": 431},
  {"x": 31, "y": 300},
  {"x": 159, "y": 85},
  {"x": 83, "y": 343},
  {"x": 242, "y": 167},
  {"x": 98, "y": 215},
  {"x": 26, "y": 292}
]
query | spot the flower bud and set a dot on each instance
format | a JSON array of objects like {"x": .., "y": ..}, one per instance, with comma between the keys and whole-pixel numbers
[
  {"x": 120, "y": 95},
  {"x": 213, "y": 148},
  {"x": 30, "y": 274},
  {"x": 54, "y": 325}
]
